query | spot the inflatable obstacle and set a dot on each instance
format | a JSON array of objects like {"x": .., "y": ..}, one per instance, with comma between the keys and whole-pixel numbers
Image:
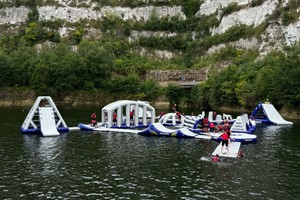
[
  {"x": 242, "y": 124},
  {"x": 44, "y": 118},
  {"x": 157, "y": 129},
  {"x": 142, "y": 112},
  {"x": 171, "y": 119}
]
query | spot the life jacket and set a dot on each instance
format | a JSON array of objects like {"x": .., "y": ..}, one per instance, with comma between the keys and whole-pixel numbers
[
  {"x": 93, "y": 116},
  {"x": 225, "y": 136},
  {"x": 211, "y": 125},
  {"x": 220, "y": 127},
  {"x": 215, "y": 159}
]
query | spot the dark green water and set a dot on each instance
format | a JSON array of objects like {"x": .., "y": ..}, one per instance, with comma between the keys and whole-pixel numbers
[{"x": 89, "y": 165}]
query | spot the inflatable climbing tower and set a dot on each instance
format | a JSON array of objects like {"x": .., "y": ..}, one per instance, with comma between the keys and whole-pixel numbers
[{"x": 44, "y": 118}]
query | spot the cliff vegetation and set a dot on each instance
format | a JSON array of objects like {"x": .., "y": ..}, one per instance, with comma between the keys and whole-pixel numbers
[{"x": 61, "y": 48}]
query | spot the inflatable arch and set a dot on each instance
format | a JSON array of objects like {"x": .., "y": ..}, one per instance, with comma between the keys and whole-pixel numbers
[
  {"x": 141, "y": 109},
  {"x": 171, "y": 119}
]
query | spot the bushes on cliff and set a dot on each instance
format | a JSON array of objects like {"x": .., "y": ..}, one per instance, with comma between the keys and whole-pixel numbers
[{"x": 276, "y": 78}]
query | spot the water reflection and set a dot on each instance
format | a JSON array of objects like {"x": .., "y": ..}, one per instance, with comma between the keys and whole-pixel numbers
[{"x": 44, "y": 154}]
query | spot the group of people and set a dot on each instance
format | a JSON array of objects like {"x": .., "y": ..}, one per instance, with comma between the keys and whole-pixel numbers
[
  {"x": 94, "y": 116},
  {"x": 211, "y": 127}
]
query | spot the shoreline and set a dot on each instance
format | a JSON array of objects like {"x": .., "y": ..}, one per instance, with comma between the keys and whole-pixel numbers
[{"x": 24, "y": 97}]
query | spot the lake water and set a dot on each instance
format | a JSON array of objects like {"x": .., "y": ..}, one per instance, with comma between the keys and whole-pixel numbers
[{"x": 90, "y": 165}]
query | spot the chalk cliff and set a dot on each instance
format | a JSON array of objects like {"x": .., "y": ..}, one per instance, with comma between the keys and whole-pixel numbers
[{"x": 252, "y": 13}]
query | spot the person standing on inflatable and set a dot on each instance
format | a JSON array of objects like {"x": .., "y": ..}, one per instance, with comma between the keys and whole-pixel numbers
[
  {"x": 115, "y": 118},
  {"x": 161, "y": 114},
  {"x": 131, "y": 117},
  {"x": 94, "y": 116},
  {"x": 205, "y": 123},
  {"x": 174, "y": 108},
  {"x": 225, "y": 138}
]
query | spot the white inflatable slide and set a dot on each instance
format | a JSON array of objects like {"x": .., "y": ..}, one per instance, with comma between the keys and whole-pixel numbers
[
  {"x": 274, "y": 115},
  {"x": 47, "y": 122}
]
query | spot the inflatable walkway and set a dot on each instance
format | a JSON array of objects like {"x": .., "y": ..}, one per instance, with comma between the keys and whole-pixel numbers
[
  {"x": 237, "y": 137},
  {"x": 89, "y": 127},
  {"x": 234, "y": 148},
  {"x": 158, "y": 129},
  {"x": 267, "y": 113}
]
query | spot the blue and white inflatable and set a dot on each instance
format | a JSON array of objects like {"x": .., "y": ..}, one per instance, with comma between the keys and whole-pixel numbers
[
  {"x": 267, "y": 113},
  {"x": 144, "y": 115}
]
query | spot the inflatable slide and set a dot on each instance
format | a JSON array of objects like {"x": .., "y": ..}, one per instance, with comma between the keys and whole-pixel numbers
[
  {"x": 47, "y": 122},
  {"x": 267, "y": 113}
]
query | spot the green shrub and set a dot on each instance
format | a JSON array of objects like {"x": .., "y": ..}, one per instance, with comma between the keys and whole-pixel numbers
[
  {"x": 232, "y": 7},
  {"x": 256, "y": 3}
]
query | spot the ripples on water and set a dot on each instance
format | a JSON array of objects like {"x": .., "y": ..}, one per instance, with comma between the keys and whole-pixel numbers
[{"x": 88, "y": 165}]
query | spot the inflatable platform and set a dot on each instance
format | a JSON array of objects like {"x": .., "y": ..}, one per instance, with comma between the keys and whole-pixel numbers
[
  {"x": 89, "y": 127},
  {"x": 237, "y": 137},
  {"x": 233, "y": 150}
]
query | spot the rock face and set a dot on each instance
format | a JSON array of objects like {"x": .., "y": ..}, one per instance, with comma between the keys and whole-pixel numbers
[
  {"x": 211, "y": 6},
  {"x": 292, "y": 32},
  {"x": 276, "y": 35},
  {"x": 74, "y": 14},
  {"x": 252, "y": 16},
  {"x": 13, "y": 15}
]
